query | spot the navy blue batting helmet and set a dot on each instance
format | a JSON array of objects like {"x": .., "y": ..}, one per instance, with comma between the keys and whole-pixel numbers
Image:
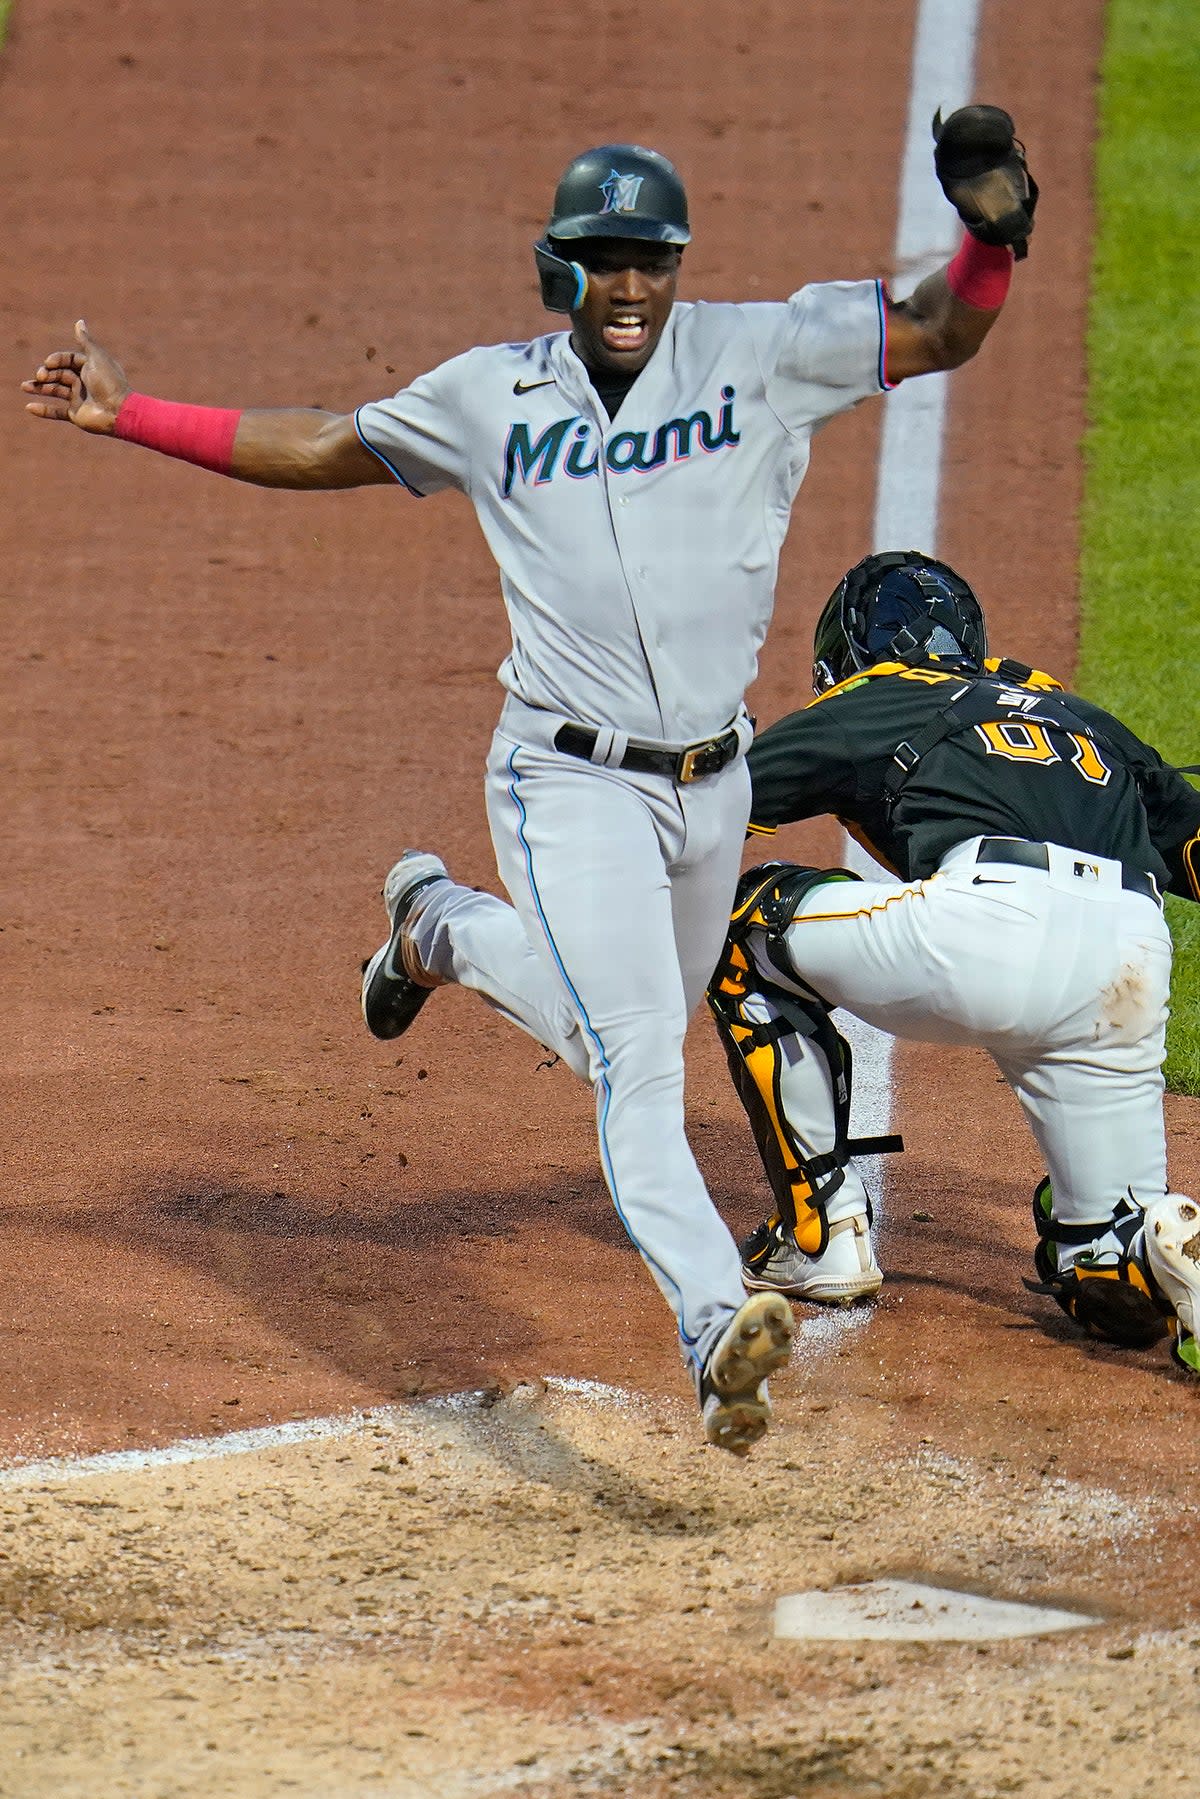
[{"x": 616, "y": 190}]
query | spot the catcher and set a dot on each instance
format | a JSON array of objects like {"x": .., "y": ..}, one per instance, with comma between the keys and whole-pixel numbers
[{"x": 1031, "y": 834}]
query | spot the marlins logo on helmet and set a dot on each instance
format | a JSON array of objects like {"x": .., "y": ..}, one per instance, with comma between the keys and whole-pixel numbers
[{"x": 621, "y": 192}]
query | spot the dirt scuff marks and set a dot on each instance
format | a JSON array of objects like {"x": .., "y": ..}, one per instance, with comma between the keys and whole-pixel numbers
[{"x": 555, "y": 1591}]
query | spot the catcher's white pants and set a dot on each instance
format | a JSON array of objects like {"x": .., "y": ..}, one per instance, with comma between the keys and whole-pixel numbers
[
  {"x": 622, "y": 885},
  {"x": 1062, "y": 977}
]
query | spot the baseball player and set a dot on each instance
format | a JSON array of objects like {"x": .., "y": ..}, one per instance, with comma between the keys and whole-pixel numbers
[
  {"x": 633, "y": 477},
  {"x": 1031, "y": 834}
]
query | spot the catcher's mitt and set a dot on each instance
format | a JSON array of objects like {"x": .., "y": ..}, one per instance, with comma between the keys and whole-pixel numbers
[{"x": 984, "y": 175}]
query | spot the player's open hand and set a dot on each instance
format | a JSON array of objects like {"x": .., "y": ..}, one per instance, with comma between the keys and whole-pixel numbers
[{"x": 85, "y": 386}]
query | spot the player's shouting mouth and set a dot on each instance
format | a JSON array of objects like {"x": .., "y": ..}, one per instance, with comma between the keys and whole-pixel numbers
[{"x": 630, "y": 293}]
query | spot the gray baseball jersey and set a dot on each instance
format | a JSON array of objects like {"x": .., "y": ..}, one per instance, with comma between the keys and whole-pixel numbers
[{"x": 638, "y": 557}]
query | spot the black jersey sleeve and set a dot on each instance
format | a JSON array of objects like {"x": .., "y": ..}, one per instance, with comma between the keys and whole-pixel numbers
[
  {"x": 800, "y": 768},
  {"x": 1173, "y": 811},
  {"x": 1171, "y": 803}
]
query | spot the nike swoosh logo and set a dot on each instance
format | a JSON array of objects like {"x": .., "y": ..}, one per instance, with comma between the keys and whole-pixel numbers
[
  {"x": 527, "y": 387},
  {"x": 986, "y": 881}
]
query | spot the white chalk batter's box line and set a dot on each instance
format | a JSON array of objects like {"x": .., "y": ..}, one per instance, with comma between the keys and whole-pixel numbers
[
  {"x": 818, "y": 1336},
  {"x": 279, "y": 1436}
]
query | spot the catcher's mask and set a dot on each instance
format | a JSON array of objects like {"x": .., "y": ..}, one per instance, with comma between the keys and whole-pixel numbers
[
  {"x": 900, "y": 606},
  {"x": 616, "y": 190}
]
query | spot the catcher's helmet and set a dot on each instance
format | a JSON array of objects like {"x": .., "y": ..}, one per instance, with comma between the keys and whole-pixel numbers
[
  {"x": 616, "y": 190},
  {"x": 900, "y": 606}
]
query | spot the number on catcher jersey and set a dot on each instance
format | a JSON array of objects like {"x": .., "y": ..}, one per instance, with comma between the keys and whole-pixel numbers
[{"x": 1024, "y": 740}]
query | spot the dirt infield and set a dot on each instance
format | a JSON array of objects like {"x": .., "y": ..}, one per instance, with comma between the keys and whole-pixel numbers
[
  {"x": 227, "y": 1207},
  {"x": 552, "y": 1593}
]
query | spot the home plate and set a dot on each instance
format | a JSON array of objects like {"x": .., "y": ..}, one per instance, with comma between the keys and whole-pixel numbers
[{"x": 903, "y": 1611}]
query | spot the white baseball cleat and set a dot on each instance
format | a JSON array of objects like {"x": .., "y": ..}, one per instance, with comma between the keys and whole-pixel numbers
[
  {"x": 773, "y": 1262},
  {"x": 756, "y": 1341},
  {"x": 394, "y": 985},
  {"x": 1172, "y": 1240}
]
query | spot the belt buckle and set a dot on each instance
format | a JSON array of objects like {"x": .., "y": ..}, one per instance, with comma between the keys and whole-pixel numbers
[{"x": 706, "y": 758}]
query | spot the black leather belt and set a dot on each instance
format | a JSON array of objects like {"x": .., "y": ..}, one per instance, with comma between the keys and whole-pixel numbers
[
  {"x": 1015, "y": 850},
  {"x": 691, "y": 764}
]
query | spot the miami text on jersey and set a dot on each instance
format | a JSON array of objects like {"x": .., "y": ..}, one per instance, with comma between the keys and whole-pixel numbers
[{"x": 574, "y": 444}]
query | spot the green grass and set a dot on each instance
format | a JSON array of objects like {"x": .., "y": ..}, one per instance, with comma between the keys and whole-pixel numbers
[{"x": 1140, "y": 630}]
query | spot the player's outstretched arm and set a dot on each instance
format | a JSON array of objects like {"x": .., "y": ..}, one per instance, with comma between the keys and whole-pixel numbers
[
  {"x": 299, "y": 448},
  {"x": 983, "y": 173},
  {"x": 945, "y": 320}
]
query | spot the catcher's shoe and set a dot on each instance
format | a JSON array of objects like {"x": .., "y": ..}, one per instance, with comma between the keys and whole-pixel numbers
[
  {"x": 772, "y": 1261},
  {"x": 394, "y": 985},
  {"x": 733, "y": 1389},
  {"x": 1098, "y": 1273},
  {"x": 1173, "y": 1255}
]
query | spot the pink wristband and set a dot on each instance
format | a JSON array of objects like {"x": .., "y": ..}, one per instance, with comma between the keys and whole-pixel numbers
[
  {"x": 200, "y": 434},
  {"x": 980, "y": 274}
]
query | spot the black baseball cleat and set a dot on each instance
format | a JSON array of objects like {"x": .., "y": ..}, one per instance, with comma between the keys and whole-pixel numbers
[
  {"x": 394, "y": 985},
  {"x": 733, "y": 1391}
]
